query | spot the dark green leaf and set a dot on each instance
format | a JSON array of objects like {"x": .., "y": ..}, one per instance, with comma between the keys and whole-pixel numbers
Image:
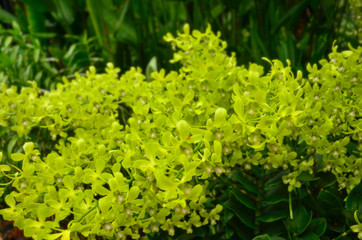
[
  {"x": 300, "y": 221},
  {"x": 244, "y": 214},
  {"x": 274, "y": 212},
  {"x": 310, "y": 236},
  {"x": 317, "y": 226},
  {"x": 262, "y": 237},
  {"x": 241, "y": 230},
  {"x": 275, "y": 194},
  {"x": 354, "y": 200},
  {"x": 248, "y": 185},
  {"x": 6, "y": 17},
  {"x": 243, "y": 198}
]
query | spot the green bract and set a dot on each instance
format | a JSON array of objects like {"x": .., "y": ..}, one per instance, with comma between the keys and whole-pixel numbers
[{"x": 187, "y": 128}]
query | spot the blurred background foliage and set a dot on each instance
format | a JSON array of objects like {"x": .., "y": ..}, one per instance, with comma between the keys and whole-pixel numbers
[{"x": 73, "y": 34}]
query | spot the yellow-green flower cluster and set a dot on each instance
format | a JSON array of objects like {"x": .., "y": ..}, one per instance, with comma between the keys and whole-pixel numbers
[{"x": 111, "y": 180}]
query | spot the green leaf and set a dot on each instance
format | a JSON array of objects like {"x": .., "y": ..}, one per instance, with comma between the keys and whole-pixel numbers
[
  {"x": 262, "y": 237},
  {"x": 243, "y": 232},
  {"x": 277, "y": 193},
  {"x": 17, "y": 156},
  {"x": 7, "y": 17},
  {"x": 11, "y": 145},
  {"x": 217, "y": 10},
  {"x": 274, "y": 212},
  {"x": 64, "y": 12},
  {"x": 310, "y": 236},
  {"x": 318, "y": 226},
  {"x": 245, "y": 215},
  {"x": 243, "y": 198},
  {"x": 248, "y": 185},
  {"x": 354, "y": 202},
  {"x": 295, "y": 11},
  {"x": 300, "y": 221},
  {"x": 151, "y": 67}
]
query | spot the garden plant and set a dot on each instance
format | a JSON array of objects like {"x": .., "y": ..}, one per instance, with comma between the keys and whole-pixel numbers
[{"x": 213, "y": 150}]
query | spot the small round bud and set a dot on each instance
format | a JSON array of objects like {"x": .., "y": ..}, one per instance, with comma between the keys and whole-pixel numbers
[
  {"x": 120, "y": 235},
  {"x": 129, "y": 212},
  {"x": 219, "y": 170},
  {"x": 226, "y": 150},
  {"x": 152, "y": 212},
  {"x": 120, "y": 198},
  {"x": 335, "y": 153},
  {"x": 218, "y": 135},
  {"x": 188, "y": 151},
  {"x": 107, "y": 227},
  {"x": 184, "y": 211},
  {"x": 187, "y": 190},
  {"x": 59, "y": 180}
]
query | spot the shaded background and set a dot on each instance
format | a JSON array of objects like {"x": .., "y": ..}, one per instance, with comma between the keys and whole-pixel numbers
[{"x": 69, "y": 35}]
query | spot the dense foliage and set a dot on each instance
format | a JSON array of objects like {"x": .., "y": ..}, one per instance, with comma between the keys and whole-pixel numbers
[
  {"x": 129, "y": 33},
  {"x": 242, "y": 152},
  {"x": 22, "y": 58}
]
